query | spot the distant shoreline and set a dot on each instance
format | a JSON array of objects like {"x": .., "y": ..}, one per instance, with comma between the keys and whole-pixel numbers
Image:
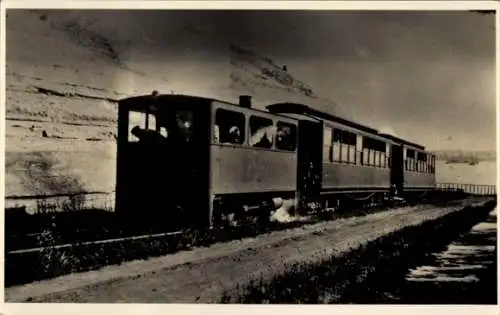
[
  {"x": 465, "y": 157},
  {"x": 471, "y": 163}
]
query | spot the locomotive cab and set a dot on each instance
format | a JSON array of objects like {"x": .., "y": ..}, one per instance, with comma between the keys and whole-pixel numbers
[{"x": 161, "y": 159}]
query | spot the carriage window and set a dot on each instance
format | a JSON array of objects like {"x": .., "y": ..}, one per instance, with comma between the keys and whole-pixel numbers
[
  {"x": 336, "y": 152},
  {"x": 327, "y": 145},
  {"x": 365, "y": 156},
  {"x": 410, "y": 153},
  {"x": 383, "y": 160},
  {"x": 336, "y": 155},
  {"x": 327, "y": 136},
  {"x": 344, "y": 153},
  {"x": 141, "y": 120},
  {"x": 229, "y": 127},
  {"x": 352, "y": 154},
  {"x": 421, "y": 156},
  {"x": 371, "y": 158},
  {"x": 286, "y": 136},
  {"x": 422, "y": 162},
  {"x": 184, "y": 124},
  {"x": 337, "y": 135},
  {"x": 344, "y": 146},
  {"x": 261, "y": 132},
  {"x": 410, "y": 160},
  {"x": 349, "y": 138},
  {"x": 377, "y": 159},
  {"x": 376, "y": 152}
]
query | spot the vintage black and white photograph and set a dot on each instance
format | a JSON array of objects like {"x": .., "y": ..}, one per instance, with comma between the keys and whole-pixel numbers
[{"x": 250, "y": 156}]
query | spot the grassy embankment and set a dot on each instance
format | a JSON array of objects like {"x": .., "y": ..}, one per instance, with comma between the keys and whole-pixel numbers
[{"x": 364, "y": 273}]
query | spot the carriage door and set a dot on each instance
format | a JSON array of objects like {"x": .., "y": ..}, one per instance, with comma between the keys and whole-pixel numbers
[
  {"x": 185, "y": 171},
  {"x": 144, "y": 165},
  {"x": 397, "y": 167},
  {"x": 310, "y": 145}
]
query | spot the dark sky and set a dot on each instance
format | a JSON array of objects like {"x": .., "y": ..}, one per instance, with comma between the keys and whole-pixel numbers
[{"x": 428, "y": 76}]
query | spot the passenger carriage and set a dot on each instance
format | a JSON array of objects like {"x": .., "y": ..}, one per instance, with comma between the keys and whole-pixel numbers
[
  {"x": 350, "y": 160},
  {"x": 262, "y": 165},
  {"x": 413, "y": 169},
  {"x": 200, "y": 160}
]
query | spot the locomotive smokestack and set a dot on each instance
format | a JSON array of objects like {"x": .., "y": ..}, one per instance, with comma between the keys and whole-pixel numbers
[{"x": 246, "y": 101}]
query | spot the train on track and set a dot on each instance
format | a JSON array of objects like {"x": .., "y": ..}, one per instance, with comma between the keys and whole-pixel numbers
[{"x": 203, "y": 161}]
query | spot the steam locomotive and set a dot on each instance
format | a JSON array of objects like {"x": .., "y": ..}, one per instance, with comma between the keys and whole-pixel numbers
[{"x": 201, "y": 160}]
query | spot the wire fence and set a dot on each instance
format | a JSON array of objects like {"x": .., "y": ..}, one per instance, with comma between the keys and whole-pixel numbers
[
  {"x": 62, "y": 202},
  {"x": 473, "y": 189}
]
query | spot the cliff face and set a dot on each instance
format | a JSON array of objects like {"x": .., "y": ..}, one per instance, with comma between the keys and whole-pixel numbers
[{"x": 66, "y": 69}]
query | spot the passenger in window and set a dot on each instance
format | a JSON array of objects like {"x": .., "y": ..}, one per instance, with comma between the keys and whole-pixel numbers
[
  {"x": 216, "y": 134},
  {"x": 164, "y": 132},
  {"x": 261, "y": 139},
  {"x": 148, "y": 136},
  {"x": 283, "y": 139},
  {"x": 264, "y": 142},
  {"x": 235, "y": 135},
  {"x": 184, "y": 125}
]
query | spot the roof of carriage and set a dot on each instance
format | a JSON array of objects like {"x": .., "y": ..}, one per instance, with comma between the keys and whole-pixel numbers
[{"x": 302, "y": 109}]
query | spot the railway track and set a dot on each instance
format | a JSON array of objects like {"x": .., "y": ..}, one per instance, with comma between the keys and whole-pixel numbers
[
  {"x": 105, "y": 241},
  {"x": 194, "y": 235},
  {"x": 85, "y": 237},
  {"x": 23, "y": 243}
]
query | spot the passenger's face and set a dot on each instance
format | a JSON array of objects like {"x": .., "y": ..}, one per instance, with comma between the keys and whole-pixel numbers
[
  {"x": 184, "y": 124},
  {"x": 185, "y": 128}
]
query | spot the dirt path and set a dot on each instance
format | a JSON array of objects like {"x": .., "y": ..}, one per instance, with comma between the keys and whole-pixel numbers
[{"x": 202, "y": 274}]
